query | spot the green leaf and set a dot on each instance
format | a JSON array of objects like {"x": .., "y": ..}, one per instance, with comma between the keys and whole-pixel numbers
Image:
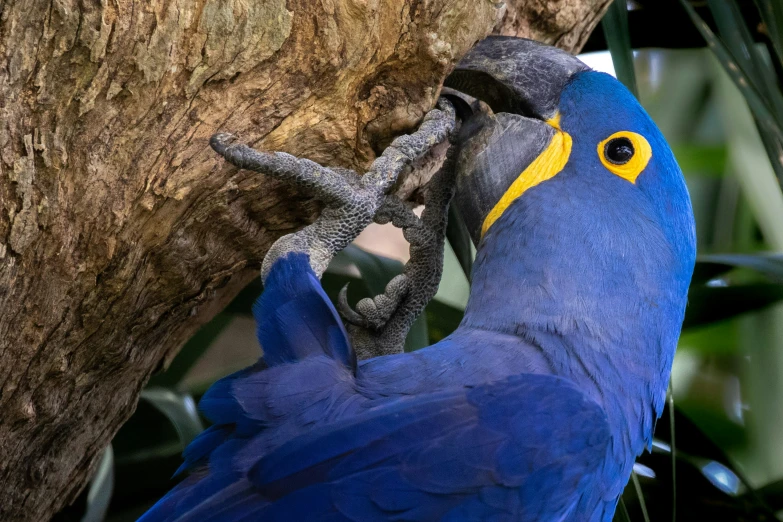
[
  {"x": 147, "y": 435},
  {"x": 759, "y": 106},
  {"x": 460, "y": 241},
  {"x": 772, "y": 495},
  {"x": 442, "y": 319},
  {"x": 700, "y": 492},
  {"x": 139, "y": 484},
  {"x": 772, "y": 16},
  {"x": 751, "y": 162},
  {"x": 642, "y": 504},
  {"x": 703, "y": 436},
  {"x": 740, "y": 43},
  {"x": 705, "y": 271},
  {"x": 769, "y": 265},
  {"x": 618, "y": 39},
  {"x": 701, "y": 159},
  {"x": 419, "y": 335},
  {"x": 101, "y": 488},
  {"x": 376, "y": 270},
  {"x": 718, "y": 340},
  {"x": 708, "y": 305},
  {"x": 243, "y": 303},
  {"x": 622, "y": 512},
  {"x": 179, "y": 409},
  {"x": 191, "y": 352},
  {"x": 672, "y": 446},
  {"x": 774, "y": 147}
]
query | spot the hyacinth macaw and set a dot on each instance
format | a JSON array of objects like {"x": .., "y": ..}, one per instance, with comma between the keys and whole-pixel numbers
[{"x": 537, "y": 405}]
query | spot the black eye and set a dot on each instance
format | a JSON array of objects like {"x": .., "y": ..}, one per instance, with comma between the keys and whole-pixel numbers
[{"x": 619, "y": 151}]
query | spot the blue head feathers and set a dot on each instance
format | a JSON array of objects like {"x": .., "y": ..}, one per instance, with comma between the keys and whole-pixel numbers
[{"x": 583, "y": 223}]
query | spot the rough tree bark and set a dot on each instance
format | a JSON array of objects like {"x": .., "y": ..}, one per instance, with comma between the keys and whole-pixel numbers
[{"x": 121, "y": 232}]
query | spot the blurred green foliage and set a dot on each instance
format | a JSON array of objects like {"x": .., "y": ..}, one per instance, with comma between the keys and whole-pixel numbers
[{"x": 719, "y": 453}]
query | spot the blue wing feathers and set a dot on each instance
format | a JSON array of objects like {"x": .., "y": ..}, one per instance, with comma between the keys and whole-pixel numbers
[
  {"x": 219, "y": 404},
  {"x": 295, "y": 317},
  {"x": 295, "y": 438},
  {"x": 200, "y": 448},
  {"x": 428, "y": 456},
  {"x": 358, "y": 432},
  {"x": 295, "y": 320}
]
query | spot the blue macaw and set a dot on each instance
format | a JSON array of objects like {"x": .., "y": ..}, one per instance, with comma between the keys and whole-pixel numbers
[{"x": 536, "y": 407}]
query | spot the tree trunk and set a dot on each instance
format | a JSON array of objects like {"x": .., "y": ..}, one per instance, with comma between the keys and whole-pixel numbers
[{"x": 121, "y": 231}]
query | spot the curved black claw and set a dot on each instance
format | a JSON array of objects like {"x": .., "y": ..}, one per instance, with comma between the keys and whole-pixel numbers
[
  {"x": 349, "y": 314},
  {"x": 221, "y": 141}
]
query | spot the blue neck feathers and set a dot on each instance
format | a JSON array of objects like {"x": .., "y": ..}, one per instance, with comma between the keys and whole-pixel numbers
[{"x": 603, "y": 303}]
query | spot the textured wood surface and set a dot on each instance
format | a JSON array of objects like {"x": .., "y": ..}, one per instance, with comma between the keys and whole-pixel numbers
[{"x": 121, "y": 231}]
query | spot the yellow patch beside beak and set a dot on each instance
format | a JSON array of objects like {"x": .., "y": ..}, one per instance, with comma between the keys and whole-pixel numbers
[{"x": 544, "y": 167}]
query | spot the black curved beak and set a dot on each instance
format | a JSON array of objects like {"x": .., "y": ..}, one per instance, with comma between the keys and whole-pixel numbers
[
  {"x": 515, "y": 75},
  {"x": 520, "y": 81}
]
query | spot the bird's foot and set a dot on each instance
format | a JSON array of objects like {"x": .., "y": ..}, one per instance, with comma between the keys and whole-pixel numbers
[
  {"x": 351, "y": 201},
  {"x": 379, "y": 325},
  {"x": 373, "y": 313}
]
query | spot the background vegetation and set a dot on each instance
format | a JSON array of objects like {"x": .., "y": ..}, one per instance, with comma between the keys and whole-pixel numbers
[{"x": 711, "y": 76}]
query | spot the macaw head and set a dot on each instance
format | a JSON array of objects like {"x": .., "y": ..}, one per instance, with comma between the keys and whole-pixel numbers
[{"x": 581, "y": 217}]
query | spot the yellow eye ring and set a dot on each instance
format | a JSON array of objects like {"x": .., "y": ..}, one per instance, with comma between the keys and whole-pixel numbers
[{"x": 625, "y": 154}]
